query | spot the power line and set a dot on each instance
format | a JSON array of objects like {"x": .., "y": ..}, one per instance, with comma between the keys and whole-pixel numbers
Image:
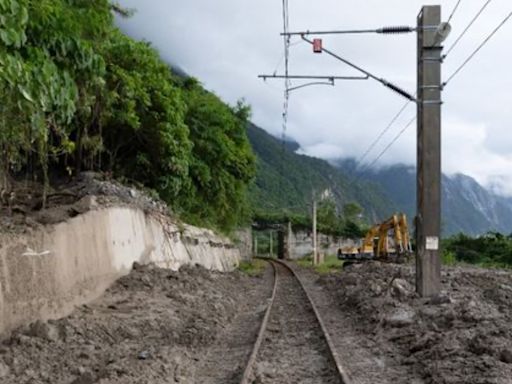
[
  {"x": 457, "y": 71},
  {"x": 390, "y": 30},
  {"x": 385, "y": 149},
  {"x": 386, "y": 129},
  {"x": 454, "y": 10},
  {"x": 287, "y": 86},
  {"x": 282, "y": 58},
  {"x": 467, "y": 28}
]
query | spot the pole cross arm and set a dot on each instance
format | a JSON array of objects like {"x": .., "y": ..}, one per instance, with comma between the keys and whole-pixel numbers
[
  {"x": 385, "y": 31},
  {"x": 308, "y": 77},
  {"x": 393, "y": 87}
]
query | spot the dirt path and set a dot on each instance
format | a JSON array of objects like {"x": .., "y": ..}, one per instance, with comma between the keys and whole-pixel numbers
[
  {"x": 294, "y": 349},
  {"x": 153, "y": 326}
]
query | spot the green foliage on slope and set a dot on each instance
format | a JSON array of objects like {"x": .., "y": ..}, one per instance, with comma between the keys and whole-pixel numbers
[
  {"x": 145, "y": 136},
  {"x": 222, "y": 163},
  {"x": 50, "y": 73},
  {"x": 285, "y": 181},
  {"x": 76, "y": 94}
]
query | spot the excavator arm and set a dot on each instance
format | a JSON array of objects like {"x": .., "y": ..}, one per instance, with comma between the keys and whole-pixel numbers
[{"x": 380, "y": 232}]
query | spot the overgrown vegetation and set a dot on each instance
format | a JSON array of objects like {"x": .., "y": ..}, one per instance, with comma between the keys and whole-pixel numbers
[
  {"x": 76, "y": 94},
  {"x": 254, "y": 268},
  {"x": 331, "y": 264},
  {"x": 490, "y": 250},
  {"x": 347, "y": 222},
  {"x": 285, "y": 181}
]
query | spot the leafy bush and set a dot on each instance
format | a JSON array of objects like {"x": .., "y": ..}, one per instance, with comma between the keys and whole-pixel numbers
[
  {"x": 491, "y": 249},
  {"x": 448, "y": 257},
  {"x": 75, "y": 94}
]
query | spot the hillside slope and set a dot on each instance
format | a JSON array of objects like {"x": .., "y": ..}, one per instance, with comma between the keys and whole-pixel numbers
[{"x": 285, "y": 180}]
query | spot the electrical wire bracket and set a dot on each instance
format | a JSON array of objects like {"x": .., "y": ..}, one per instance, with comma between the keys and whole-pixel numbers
[
  {"x": 312, "y": 77},
  {"x": 384, "y": 82},
  {"x": 330, "y": 80}
]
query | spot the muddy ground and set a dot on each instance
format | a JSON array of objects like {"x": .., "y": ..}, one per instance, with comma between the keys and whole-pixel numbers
[
  {"x": 194, "y": 326},
  {"x": 152, "y": 326},
  {"x": 387, "y": 334},
  {"x": 293, "y": 349}
]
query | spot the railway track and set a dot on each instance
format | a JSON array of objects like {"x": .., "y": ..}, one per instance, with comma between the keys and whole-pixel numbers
[{"x": 293, "y": 345}]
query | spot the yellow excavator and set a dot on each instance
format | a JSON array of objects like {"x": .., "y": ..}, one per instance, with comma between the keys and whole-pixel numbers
[{"x": 377, "y": 243}]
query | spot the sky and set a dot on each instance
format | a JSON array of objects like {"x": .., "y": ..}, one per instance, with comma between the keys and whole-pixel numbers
[{"x": 226, "y": 44}]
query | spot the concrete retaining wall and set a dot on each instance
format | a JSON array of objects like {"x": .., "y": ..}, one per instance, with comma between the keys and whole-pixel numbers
[
  {"x": 45, "y": 273},
  {"x": 243, "y": 241},
  {"x": 301, "y": 244}
]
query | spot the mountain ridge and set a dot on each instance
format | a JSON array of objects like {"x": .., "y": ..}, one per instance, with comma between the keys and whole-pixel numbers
[
  {"x": 467, "y": 206},
  {"x": 286, "y": 178}
]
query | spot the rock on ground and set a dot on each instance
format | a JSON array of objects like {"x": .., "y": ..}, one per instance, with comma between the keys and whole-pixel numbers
[{"x": 463, "y": 335}]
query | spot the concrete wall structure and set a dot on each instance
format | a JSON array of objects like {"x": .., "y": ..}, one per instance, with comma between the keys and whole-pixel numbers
[
  {"x": 243, "y": 241},
  {"x": 301, "y": 244},
  {"x": 46, "y": 272}
]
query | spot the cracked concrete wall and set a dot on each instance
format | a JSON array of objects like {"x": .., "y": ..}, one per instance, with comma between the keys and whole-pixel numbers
[{"x": 46, "y": 272}]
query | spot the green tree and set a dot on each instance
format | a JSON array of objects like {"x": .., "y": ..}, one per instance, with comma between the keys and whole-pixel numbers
[
  {"x": 353, "y": 230},
  {"x": 48, "y": 67},
  {"x": 145, "y": 135},
  {"x": 352, "y": 211},
  {"x": 222, "y": 163},
  {"x": 327, "y": 216}
]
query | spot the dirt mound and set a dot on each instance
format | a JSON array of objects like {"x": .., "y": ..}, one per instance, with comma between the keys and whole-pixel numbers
[
  {"x": 461, "y": 336},
  {"x": 22, "y": 207},
  {"x": 152, "y": 326}
]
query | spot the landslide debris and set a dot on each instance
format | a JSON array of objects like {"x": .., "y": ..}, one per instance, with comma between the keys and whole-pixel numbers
[
  {"x": 463, "y": 335},
  {"x": 152, "y": 326},
  {"x": 23, "y": 207}
]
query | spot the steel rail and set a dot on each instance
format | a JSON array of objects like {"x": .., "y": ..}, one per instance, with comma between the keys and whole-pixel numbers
[
  {"x": 344, "y": 378},
  {"x": 261, "y": 332}
]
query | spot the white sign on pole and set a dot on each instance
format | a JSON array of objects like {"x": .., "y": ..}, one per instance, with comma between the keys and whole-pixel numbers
[{"x": 432, "y": 243}]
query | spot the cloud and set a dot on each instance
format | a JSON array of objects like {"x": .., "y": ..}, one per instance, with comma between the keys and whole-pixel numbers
[
  {"x": 465, "y": 147},
  {"x": 227, "y": 43}
]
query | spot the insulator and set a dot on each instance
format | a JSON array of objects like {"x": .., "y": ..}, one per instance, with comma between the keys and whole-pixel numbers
[
  {"x": 396, "y": 30},
  {"x": 398, "y": 90}
]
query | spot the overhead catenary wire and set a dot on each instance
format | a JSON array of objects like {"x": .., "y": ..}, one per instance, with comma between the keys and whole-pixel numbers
[
  {"x": 390, "y": 30},
  {"x": 379, "y": 156},
  {"x": 383, "y": 132},
  {"x": 473, "y": 54},
  {"x": 454, "y": 10},
  {"x": 459, "y": 38},
  {"x": 282, "y": 58}
]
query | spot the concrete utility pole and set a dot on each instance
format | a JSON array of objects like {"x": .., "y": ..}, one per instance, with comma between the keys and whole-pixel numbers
[
  {"x": 428, "y": 219},
  {"x": 315, "y": 252},
  {"x": 270, "y": 249},
  {"x": 289, "y": 242},
  {"x": 256, "y": 244}
]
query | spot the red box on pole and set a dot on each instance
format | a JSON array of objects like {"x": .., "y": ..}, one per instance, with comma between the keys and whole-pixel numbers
[{"x": 317, "y": 45}]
